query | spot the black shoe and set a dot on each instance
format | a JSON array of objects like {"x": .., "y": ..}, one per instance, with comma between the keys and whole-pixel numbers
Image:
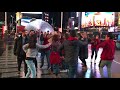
[
  {"x": 41, "y": 66},
  {"x": 84, "y": 68}
]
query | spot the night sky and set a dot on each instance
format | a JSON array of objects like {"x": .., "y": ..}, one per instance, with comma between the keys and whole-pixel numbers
[
  {"x": 2, "y": 16},
  {"x": 57, "y": 18}
]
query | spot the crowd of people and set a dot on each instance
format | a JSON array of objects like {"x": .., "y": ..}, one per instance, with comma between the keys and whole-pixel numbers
[{"x": 62, "y": 51}]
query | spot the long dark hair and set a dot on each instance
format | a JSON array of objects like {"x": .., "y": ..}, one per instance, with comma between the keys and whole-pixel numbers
[
  {"x": 32, "y": 41},
  {"x": 55, "y": 38}
]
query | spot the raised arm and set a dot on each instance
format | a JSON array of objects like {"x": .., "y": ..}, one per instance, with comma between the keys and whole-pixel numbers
[
  {"x": 43, "y": 46},
  {"x": 25, "y": 47},
  {"x": 102, "y": 45}
]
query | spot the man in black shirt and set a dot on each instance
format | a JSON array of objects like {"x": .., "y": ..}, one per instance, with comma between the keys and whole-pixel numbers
[{"x": 21, "y": 40}]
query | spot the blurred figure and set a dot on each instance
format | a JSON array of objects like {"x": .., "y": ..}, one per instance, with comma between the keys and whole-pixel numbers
[
  {"x": 44, "y": 34},
  {"x": 16, "y": 36},
  {"x": 94, "y": 42},
  {"x": 20, "y": 40},
  {"x": 45, "y": 52},
  {"x": 64, "y": 65},
  {"x": 48, "y": 32},
  {"x": 41, "y": 38},
  {"x": 33, "y": 35},
  {"x": 83, "y": 52},
  {"x": 54, "y": 56},
  {"x": 107, "y": 55},
  {"x": 31, "y": 51},
  {"x": 71, "y": 50}
]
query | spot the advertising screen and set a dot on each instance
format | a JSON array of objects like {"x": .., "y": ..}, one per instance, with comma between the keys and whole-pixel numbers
[
  {"x": 97, "y": 19},
  {"x": 24, "y": 22},
  {"x": 118, "y": 18},
  {"x": 111, "y": 29},
  {"x": 119, "y": 37}
]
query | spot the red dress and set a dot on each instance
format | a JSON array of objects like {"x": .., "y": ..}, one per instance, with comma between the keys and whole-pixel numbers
[{"x": 55, "y": 56}]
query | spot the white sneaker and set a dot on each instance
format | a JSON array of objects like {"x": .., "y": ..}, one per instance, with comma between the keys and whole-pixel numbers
[{"x": 64, "y": 70}]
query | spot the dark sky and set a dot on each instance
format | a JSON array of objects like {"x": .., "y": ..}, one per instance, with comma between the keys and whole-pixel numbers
[
  {"x": 57, "y": 18},
  {"x": 2, "y": 16}
]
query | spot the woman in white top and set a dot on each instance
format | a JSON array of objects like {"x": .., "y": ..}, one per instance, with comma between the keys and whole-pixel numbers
[{"x": 31, "y": 49}]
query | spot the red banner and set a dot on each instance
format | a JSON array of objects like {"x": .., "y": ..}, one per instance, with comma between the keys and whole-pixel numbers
[{"x": 20, "y": 28}]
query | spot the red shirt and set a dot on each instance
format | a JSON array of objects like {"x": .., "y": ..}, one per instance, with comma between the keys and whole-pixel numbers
[
  {"x": 108, "y": 50},
  {"x": 46, "y": 42},
  {"x": 95, "y": 43}
]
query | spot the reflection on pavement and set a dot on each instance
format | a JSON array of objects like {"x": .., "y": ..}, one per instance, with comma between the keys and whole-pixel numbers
[{"x": 8, "y": 65}]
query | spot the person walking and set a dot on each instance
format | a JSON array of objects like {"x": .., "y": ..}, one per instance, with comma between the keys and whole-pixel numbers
[
  {"x": 71, "y": 50},
  {"x": 83, "y": 53},
  {"x": 55, "y": 59},
  {"x": 45, "y": 52},
  {"x": 107, "y": 55},
  {"x": 20, "y": 40}
]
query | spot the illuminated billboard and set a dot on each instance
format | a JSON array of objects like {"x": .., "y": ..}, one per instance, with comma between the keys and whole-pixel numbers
[
  {"x": 118, "y": 18},
  {"x": 24, "y": 22},
  {"x": 97, "y": 19},
  {"x": 32, "y": 12}
]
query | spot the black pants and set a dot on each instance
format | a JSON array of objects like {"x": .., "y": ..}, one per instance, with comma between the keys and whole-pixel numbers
[
  {"x": 83, "y": 61},
  {"x": 19, "y": 61},
  {"x": 94, "y": 50}
]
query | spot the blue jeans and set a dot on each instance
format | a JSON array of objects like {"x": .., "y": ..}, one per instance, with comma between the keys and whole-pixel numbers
[
  {"x": 31, "y": 69},
  {"x": 64, "y": 65},
  {"x": 55, "y": 68},
  {"x": 72, "y": 67},
  {"x": 47, "y": 53}
]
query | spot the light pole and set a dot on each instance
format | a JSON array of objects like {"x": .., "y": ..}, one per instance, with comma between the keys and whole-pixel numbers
[
  {"x": 52, "y": 20},
  {"x": 79, "y": 20},
  {"x": 12, "y": 22},
  {"x": 5, "y": 21},
  {"x": 61, "y": 20}
]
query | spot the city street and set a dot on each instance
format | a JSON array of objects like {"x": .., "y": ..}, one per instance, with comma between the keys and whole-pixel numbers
[
  {"x": 13, "y": 24},
  {"x": 8, "y": 65}
]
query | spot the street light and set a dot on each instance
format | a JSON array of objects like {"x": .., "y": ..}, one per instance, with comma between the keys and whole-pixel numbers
[
  {"x": 61, "y": 20},
  {"x": 52, "y": 20},
  {"x": 5, "y": 21},
  {"x": 12, "y": 22},
  {"x": 79, "y": 20}
]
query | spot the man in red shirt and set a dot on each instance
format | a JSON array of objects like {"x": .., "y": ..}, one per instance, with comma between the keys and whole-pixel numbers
[
  {"x": 45, "y": 52},
  {"x": 107, "y": 55}
]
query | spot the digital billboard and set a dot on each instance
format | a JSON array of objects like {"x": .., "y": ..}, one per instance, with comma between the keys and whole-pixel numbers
[
  {"x": 24, "y": 22},
  {"x": 97, "y": 19},
  {"x": 118, "y": 18}
]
